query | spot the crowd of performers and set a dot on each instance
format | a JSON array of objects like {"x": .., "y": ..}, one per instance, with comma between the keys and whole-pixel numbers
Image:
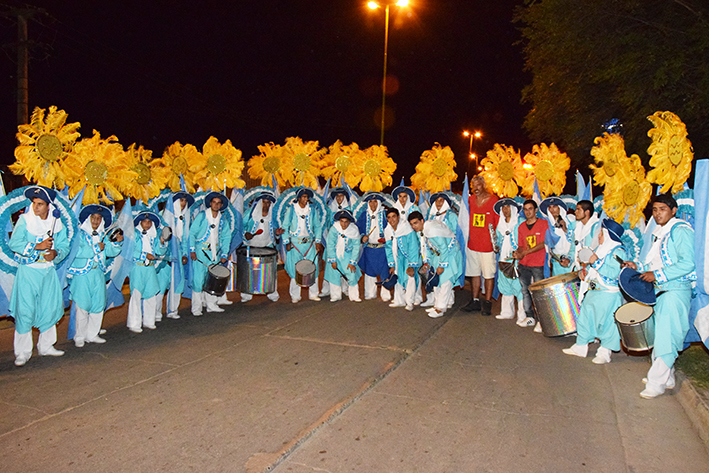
[{"x": 407, "y": 254}]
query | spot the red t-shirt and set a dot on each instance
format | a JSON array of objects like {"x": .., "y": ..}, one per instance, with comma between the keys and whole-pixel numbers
[
  {"x": 480, "y": 218},
  {"x": 527, "y": 238}
]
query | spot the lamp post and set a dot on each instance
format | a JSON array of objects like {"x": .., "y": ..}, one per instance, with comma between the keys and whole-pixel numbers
[
  {"x": 374, "y": 5},
  {"x": 472, "y": 136}
]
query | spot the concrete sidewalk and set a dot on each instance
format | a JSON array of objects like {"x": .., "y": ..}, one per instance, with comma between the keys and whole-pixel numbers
[{"x": 320, "y": 386}]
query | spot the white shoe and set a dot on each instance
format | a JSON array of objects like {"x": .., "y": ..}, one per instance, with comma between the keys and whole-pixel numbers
[
  {"x": 315, "y": 298},
  {"x": 199, "y": 314},
  {"x": 274, "y": 298},
  {"x": 409, "y": 308},
  {"x": 78, "y": 343},
  {"x": 224, "y": 302},
  {"x": 434, "y": 314},
  {"x": 102, "y": 331},
  {"x": 214, "y": 308},
  {"x": 172, "y": 315},
  {"x": 576, "y": 350},
  {"x": 670, "y": 383},
  {"x": 150, "y": 327},
  {"x": 428, "y": 303},
  {"x": 138, "y": 330},
  {"x": 158, "y": 318},
  {"x": 603, "y": 356},
  {"x": 332, "y": 299},
  {"x": 51, "y": 351},
  {"x": 370, "y": 298},
  {"x": 527, "y": 322},
  {"x": 21, "y": 360},
  {"x": 356, "y": 300},
  {"x": 394, "y": 305},
  {"x": 538, "y": 328},
  {"x": 504, "y": 316},
  {"x": 96, "y": 340},
  {"x": 648, "y": 393},
  {"x": 295, "y": 301}
]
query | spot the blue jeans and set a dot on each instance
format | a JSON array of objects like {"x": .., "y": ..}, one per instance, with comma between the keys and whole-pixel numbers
[{"x": 528, "y": 275}]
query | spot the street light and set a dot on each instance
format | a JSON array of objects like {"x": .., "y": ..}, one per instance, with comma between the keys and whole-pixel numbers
[
  {"x": 374, "y": 5},
  {"x": 472, "y": 136}
]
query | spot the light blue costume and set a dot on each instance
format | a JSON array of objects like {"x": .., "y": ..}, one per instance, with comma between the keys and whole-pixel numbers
[
  {"x": 408, "y": 255},
  {"x": 440, "y": 249},
  {"x": 199, "y": 244},
  {"x": 507, "y": 286},
  {"x": 350, "y": 256},
  {"x": 303, "y": 243},
  {"x": 580, "y": 238},
  {"x": 143, "y": 276}
]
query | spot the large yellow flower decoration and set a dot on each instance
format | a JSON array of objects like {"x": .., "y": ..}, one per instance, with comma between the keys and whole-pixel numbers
[
  {"x": 549, "y": 166},
  {"x": 44, "y": 144},
  {"x": 670, "y": 152},
  {"x": 435, "y": 170},
  {"x": 218, "y": 166},
  {"x": 302, "y": 161},
  {"x": 151, "y": 177},
  {"x": 177, "y": 159},
  {"x": 100, "y": 167},
  {"x": 609, "y": 154},
  {"x": 270, "y": 164},
  {"x": 502, "y": 170},
  {"x": 376, "y": 167},
  {"x": 340, "y": 163}
]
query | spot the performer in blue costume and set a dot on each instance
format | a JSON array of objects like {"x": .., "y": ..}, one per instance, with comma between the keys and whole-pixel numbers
[
  {"x": 88, "y": 272},
  {"x": 258, "y": 231},
  {"x": 441, "y": 210},
  {"x": 179, "y": 221},
  {"x": 440, "y": 250},
  {"x": 209, "y": 240},
  {"x": 339, "y": 199},
  {"x": 39, "y": 241},
  {"x": 506, "y": 232},
  {"x": 558, "y": 239},
  {"x": 596, "y": 318},
  {"x": 583, "y": 233},
  {"x": 302, "y": 235},
  {"x": 144, "y": 284},
  {"x": 343, "y": 247},
  {"x": 669, "y": 265},
  {"x": 403, "y": 258},
  {"x": 371, "y": 224},
  {"x": 163, "y": 270}
]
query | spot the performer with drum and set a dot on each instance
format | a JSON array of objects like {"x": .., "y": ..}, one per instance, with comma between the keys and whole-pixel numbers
[
  {"x": 179, "y": 220},
  {"x": 144, "y": 285},
  {"x": 87, "y": 272},
  {"x": 39, "y": 241},
  {"x": 603, "y": 297},
  {"x": 403, "y": 258},
  {"x": 440, "y": 250},
  {"x": 557, "y": 239},
  {"x": 209, "y": 240},
  {"x": 302, "y": 235},
  {"x": 258, "y": 232},
  {"x": 508, "y": 278},
  {"x": 669, "y": 265},
  {"x": 343, "y": 248},
  {"x": 371, "y": 223},
  {"x": 531, "y": 254},
  {"x": 584, "y": 231},
  {"x": 340, "y": 199}
]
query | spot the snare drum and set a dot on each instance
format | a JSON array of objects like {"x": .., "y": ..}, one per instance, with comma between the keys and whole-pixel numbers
[
  {"x": 585, "y": 254},
  {"x": 217, "y": 279},
  {"x": 166, "y": 233},
  {"x": 305, "y": 273},
  {"x": 636, "y": 325},
  {"x": 256, "y": 270},
  {"x": 556, "y": 303}
]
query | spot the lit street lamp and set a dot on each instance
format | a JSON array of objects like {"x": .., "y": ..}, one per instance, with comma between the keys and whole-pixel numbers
[
  {"x": 472, "y": 136},
  {"x": 374, "y": 5}
]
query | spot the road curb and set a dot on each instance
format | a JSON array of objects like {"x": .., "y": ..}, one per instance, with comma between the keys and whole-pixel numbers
[{"x": 695, "y": 406}]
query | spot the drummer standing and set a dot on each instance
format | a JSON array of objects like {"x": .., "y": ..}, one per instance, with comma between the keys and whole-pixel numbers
[
  {"x": 669, "y": 264},
  {"x": 558, "y": 238},
  {"x": 584, "y": 231},
  {"x": 209, "y": 240},
  {"x": 403, "y": 258},
  {"x": 371, "y": 223},
  {"x": 302, "y": 235},
  {"x": 596, "y": 317},
  {"x": 343, "y": 248},
  {"x": 340, "y": 199},
  {"x": 509, "y": 288},
  {"x": 179, "y": 221},
  {"x": 258, "y": 232},
  {"x": 531, "y": 254}
]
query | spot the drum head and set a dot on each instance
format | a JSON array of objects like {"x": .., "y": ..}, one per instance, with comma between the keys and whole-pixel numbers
[
  {"x": 219, "y": 271},
  {"x": 633, "y": 313},
  {"x": 305, "y": 266},
  {"x": 562, "y": 279},
  {"x": 166, "y": 233},
  {"x": 585, "y": 254},
  {"x": 258, "y": 251}
]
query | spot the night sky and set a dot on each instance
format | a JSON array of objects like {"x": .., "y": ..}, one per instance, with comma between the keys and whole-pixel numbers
[{"x": 157, "y": 72}]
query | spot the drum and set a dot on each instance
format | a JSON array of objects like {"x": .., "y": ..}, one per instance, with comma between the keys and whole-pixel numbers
[
  {"x": 556, "y": 303},
  {"x": 217, "y": 279},
  {"x": 166, "y": 233},
  {"x": 585, "y": 254},
  {"x": 636, "y": 324},
  {"x": 305, "y": 273},
  {"x": 426, "y": 275},
  {"x": 256, "y": 270}
]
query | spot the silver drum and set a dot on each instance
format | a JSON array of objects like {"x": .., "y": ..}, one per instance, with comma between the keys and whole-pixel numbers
[
  {"x": 256, "y": 270},
  {"x": 636, "y": 325},
  {"x": 556, "y": 303}
]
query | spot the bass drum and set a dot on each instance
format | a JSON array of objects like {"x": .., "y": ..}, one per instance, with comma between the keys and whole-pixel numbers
[
  {"x": 217, "y": 279},
  {"x": 305, "y": 273},
  {"x": 636, "y": 325},
  {"x": 556, "y": 303},
  {"x": 256, "y": 270}
]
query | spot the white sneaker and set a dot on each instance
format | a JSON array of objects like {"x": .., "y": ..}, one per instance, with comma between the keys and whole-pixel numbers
[
  {"x": 538, "y": 328},
  {"x": 199, "y": 314},
  {"x": 434, "y": 314},
  {"x": 527, "y": 322},
  {"x": 648, "y": 393},
  {"x": 576, "y": 350},
  {"x": 505, "y": 316},
  {"x": 96, "y": 340},
  {"x": 273, "y": 298},
  {"x": 356, "y": 300},
  {"x": 394, "y": 305},
  {"x": 225, "y": 302},
  {"x": 315, "y": 298},
  {"x": 214, "y": 308},
  {"x": 332, "y": 299},
  {"x": 603, "y": 356},
  {"x": 21, "y": 360},
  {"x": 172, "y": 315},
  {"x": 670, "y": 383},
  {"x": 102, "y": 331},
  {"x": 140, "y": 330},
  {"x": 78, "y": 343},
  {"x": 409, "y": 308},
  {"x": 295, "y": 301},
  {"x": 428, "y": 303},
  {"x": 51, "y": 351}
]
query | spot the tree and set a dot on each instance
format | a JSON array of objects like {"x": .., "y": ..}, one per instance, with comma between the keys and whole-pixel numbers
[{"x": 595, "y": 60}]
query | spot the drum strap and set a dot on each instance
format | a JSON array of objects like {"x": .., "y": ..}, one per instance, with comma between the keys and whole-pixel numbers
[{"x": 306, "y": 252}]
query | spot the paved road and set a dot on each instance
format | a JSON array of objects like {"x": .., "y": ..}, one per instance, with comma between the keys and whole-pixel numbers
[{"x": 334, "y": 387}]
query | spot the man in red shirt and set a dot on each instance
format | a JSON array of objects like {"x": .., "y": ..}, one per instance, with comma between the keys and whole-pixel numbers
[
  {"x": 480, "y": 257},
  {"x": 531, "y": 255}
]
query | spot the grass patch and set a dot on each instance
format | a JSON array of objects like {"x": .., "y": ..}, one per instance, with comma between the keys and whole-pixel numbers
[{"x": 694, "y": 362}]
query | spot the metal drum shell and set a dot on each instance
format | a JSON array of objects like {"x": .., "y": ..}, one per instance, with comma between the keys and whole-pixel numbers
[
  {"x": 256, "y": 270},
  {"x": 216, "y": 283},
  {"x": 556, "y": 303},
  {"x": 636, "y": 324},
  {"x": 305, "y": 273}
]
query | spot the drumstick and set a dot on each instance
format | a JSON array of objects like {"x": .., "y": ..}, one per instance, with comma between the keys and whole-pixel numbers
[
  {"x": 370, "y": 231},
  {"x": 619, "y": 259}
]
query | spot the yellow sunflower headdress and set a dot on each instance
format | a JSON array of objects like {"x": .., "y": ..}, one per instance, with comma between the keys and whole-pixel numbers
[
  {"x": 100, "y": 166},
  {"x": 218, "y": 166},
  {"x": 626, "y": 191},
  {"x": 435, "y": 170},
  {"x": 340, "y": 164},
  {"x": 177, "y": 159},
  {"x": 376, "y": 167},
  {"x": 151, "y": 177},
  {"x": 549, "y": 166},
  {"x": 670, "y": 152},
  {"x": 502, "y": 170},
  {"x": 303, "y": 161},
  {"x": 44, "y": 144},
  {"x": 269, "y": 165}
]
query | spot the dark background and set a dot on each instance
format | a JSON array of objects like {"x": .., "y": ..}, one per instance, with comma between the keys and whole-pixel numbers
[{"x": 157, "y": 72}]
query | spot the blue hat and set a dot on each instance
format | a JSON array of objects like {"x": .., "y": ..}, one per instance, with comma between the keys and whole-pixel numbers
[
  {"x": 40, "y": 192},
  {"x": 216, "y": 195},
  {"x": 553, "y": 200},
  {"x": 635, "y": 288},
  {"x": 373, "y": 196},
  {"x": 615, "y": 230},
  {"x": 434, "y": 197},
  {"x": 343, "y": 214},
  {"x": 338, "y": 190},
  {"x": 398, "y": 190},
  {"x": 389, "y": 282},
  {"x": 304, "y": 190},
  {"x": 432, "y": 282},
  {"x": 505, "y": 201},
  {"x": 183, "y": 195},
  {"x": 143, "y": 214},
  {"x": 96, "y": 209},
  {"x": 265, "y": 196}
]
